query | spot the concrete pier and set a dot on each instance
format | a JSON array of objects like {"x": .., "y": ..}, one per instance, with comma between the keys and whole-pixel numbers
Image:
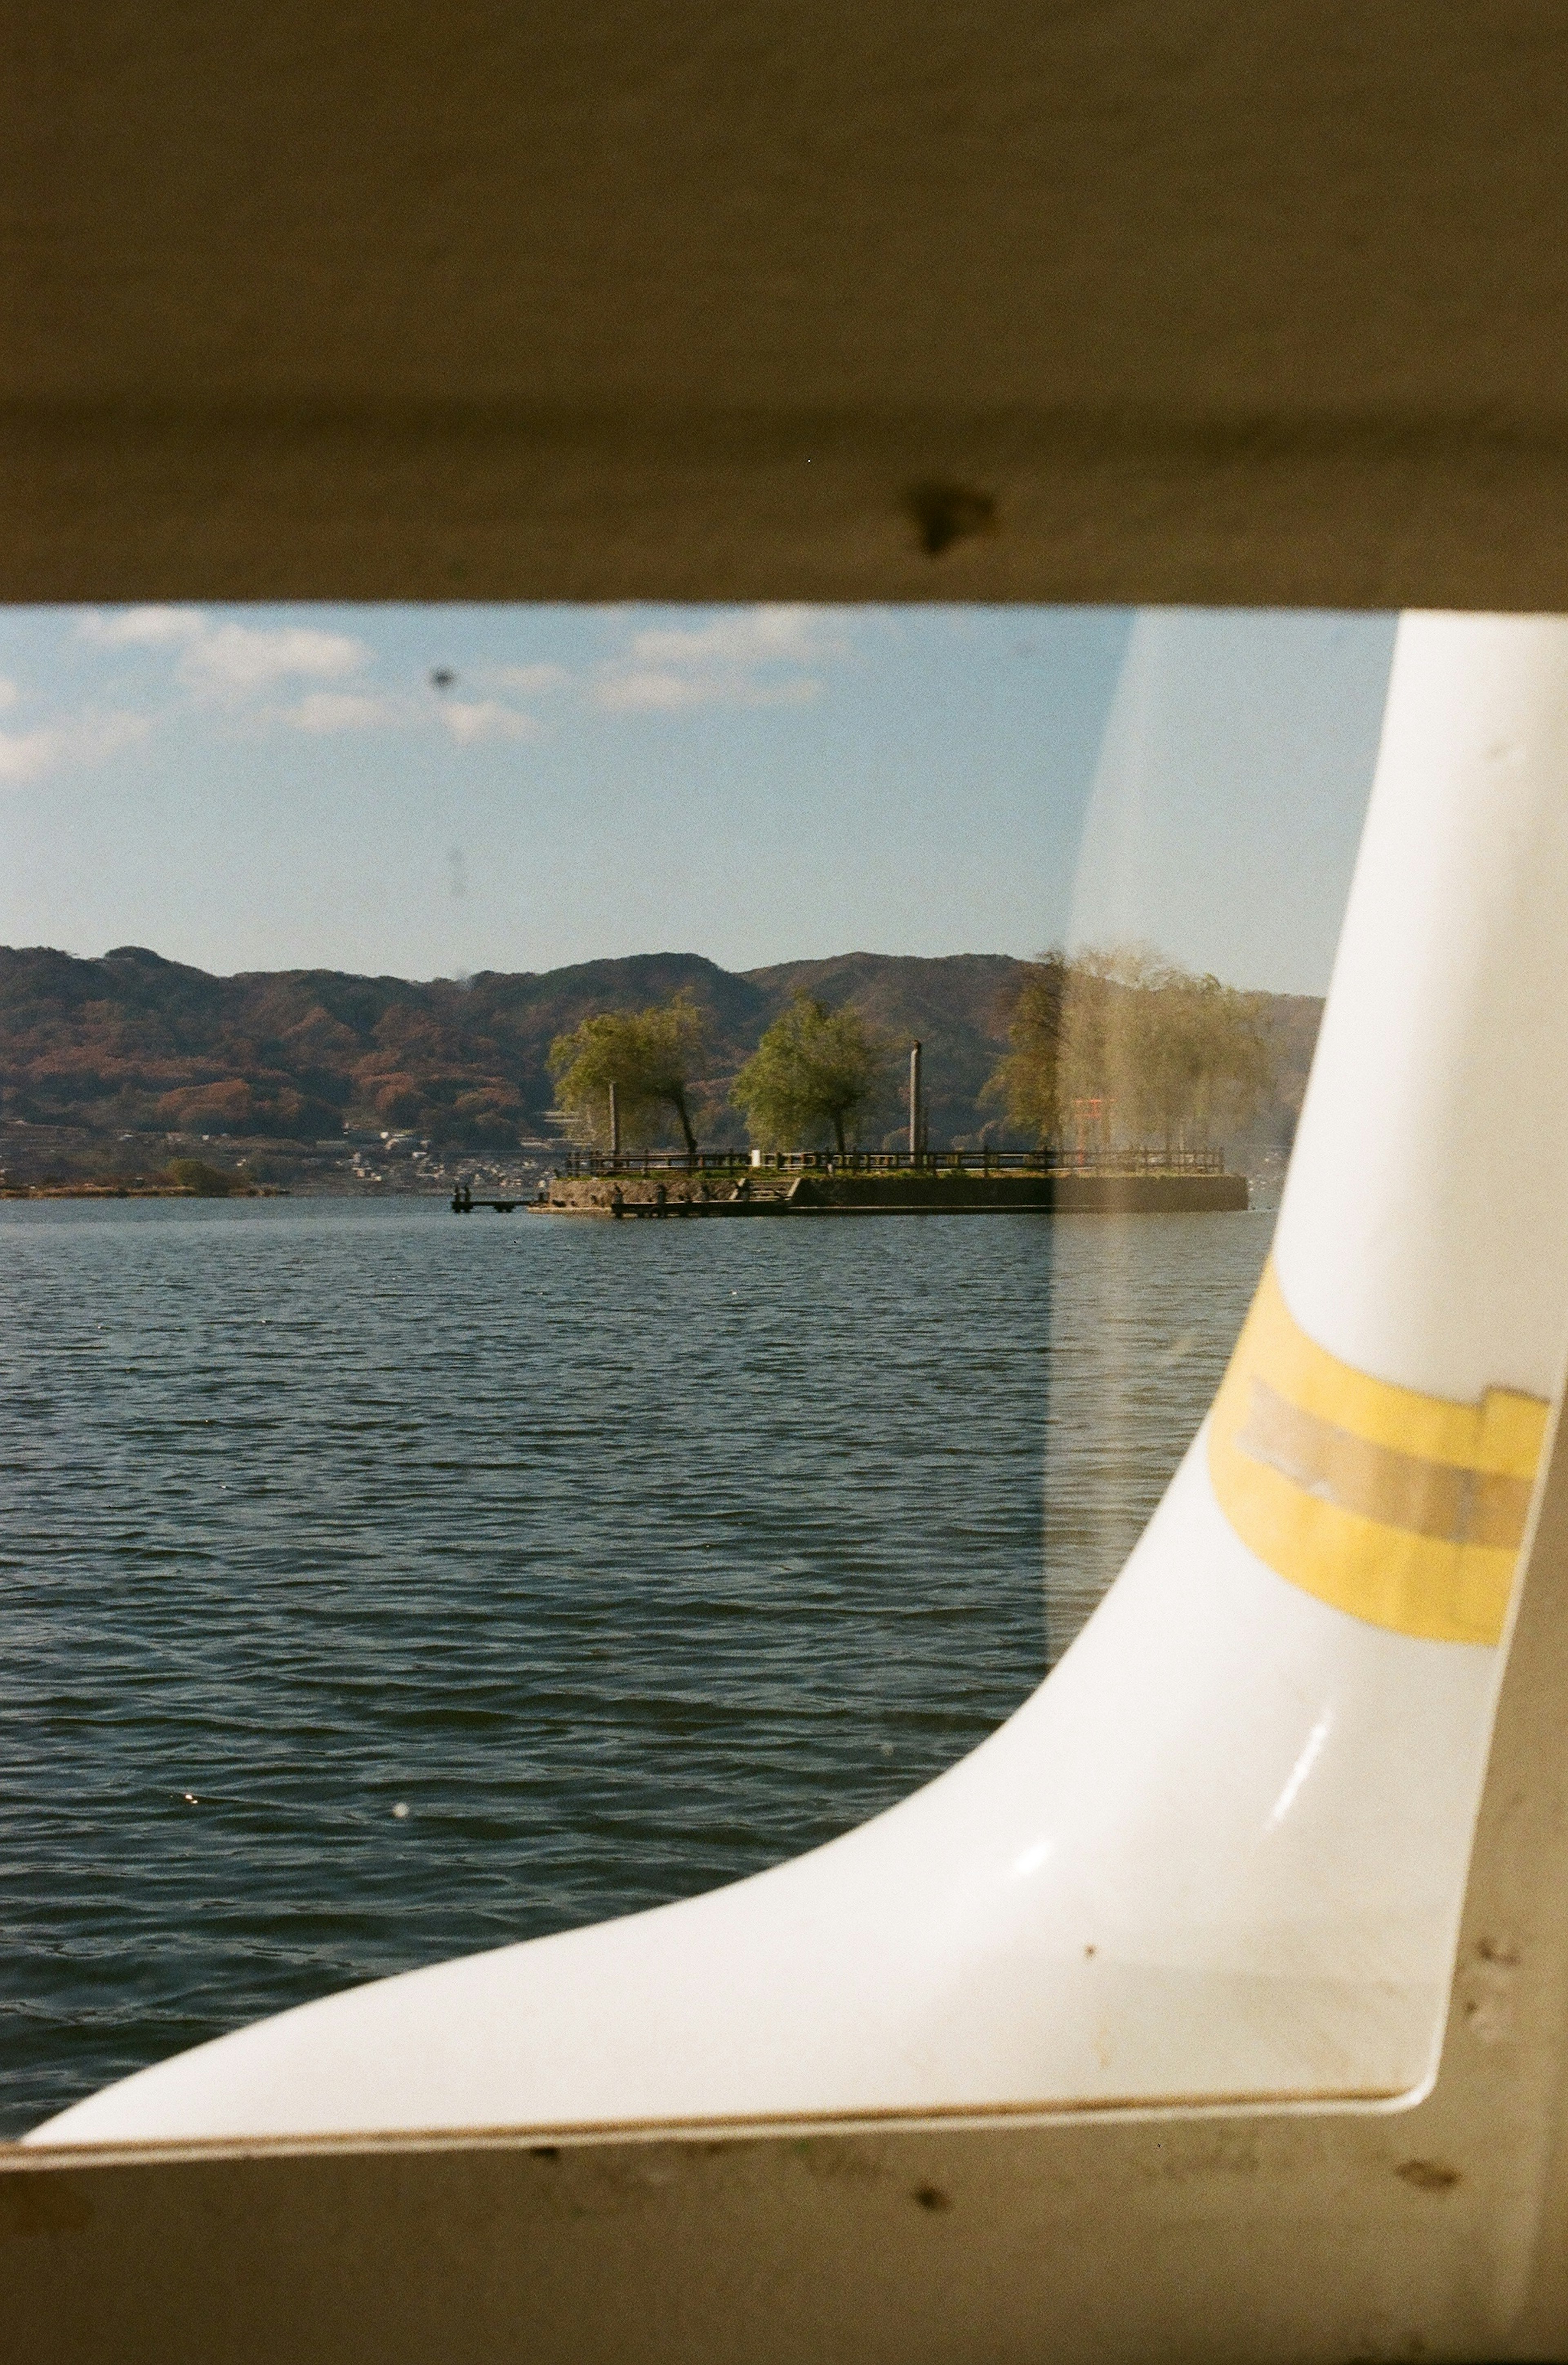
[{"x": 638, "y": 1197}]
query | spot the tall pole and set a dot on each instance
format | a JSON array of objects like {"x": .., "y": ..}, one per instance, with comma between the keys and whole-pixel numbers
[
  {"x": 614, "y": 1125},
  {"x": 914, "y": 1101}
]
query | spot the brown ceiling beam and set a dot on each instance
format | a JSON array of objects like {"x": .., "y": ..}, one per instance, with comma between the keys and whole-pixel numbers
[{"x": 1219, "y": 300}]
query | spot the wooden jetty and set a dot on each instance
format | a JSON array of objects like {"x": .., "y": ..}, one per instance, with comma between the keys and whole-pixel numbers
[{"x": 463, "y": 1203}]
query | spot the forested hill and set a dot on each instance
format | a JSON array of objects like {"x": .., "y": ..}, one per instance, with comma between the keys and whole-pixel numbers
[{"x": 134, "y": 1043}]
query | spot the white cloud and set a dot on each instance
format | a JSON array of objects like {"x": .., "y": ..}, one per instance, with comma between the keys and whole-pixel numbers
[
  {"x": 529, "y": 678},
  {"x": 485, "y": 718},
  {"x": 124, "y": 628},
  {"x": 744, "y": 638},
  {"x": 647, "y": 692},
  {"x": 650, "y": 691},
  {"x": 303, "y": 676},
  {"x": 347, "y": 710},
  {"x": 79, "y": 739},
  {"x": 746, "y": 656},
  {"x": 226, "y": 656},
  {"x": 9, "y": 693},
  {"x": 468, "y": 719},
  {"x": 250, "y": 657}
]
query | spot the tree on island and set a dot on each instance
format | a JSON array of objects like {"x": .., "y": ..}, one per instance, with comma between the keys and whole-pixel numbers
[
  {"x": 1182, "y": 1051},
  {"x": 814, "y": 1069},
  {"x": 1122, "y": 1040},
  {"x": 193, "y": 1174},
  {"x": 647, "y": 1055},
  {"x": 1030, "y": 1082}
]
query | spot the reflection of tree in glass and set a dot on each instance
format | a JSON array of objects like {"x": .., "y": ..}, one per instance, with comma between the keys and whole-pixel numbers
[
  {"x": 815, "y": 1070},
  {"x": 647, "y": 1055},
  {"x": 1030, "y": 1082},
  {"x": 1119, "y": 1046}
]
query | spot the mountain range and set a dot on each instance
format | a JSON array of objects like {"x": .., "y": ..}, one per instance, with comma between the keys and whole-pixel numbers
[{"x": 132, "y": 1044}]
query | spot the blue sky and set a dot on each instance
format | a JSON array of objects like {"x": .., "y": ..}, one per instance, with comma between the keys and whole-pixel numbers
[{"x": 248, "y": 788}]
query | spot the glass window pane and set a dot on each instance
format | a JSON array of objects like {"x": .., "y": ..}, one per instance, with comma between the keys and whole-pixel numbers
[{"x": 388, "y": 1587}]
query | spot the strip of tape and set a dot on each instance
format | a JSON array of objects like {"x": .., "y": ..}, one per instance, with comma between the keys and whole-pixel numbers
[{"x": 1404, "y": 1510}]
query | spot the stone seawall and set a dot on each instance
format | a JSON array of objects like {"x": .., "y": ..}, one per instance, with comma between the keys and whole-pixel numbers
[{"x": 772, "y": 1194}]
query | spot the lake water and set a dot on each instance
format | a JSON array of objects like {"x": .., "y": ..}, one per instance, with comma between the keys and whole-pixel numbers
[{"x": 381, "y": 1587}]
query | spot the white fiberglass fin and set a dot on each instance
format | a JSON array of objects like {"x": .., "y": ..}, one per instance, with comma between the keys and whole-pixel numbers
[{"x": 1221, "y": 1853}]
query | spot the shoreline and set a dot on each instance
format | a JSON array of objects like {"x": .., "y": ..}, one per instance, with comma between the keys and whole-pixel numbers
[{"x": 142, "y": 1190}]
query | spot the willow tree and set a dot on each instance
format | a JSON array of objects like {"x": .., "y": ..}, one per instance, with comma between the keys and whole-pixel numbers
[
  {"x": 1121, "y": 1042},
  {"x": 1170, "y": 1053},
  {"x": 648, "y": 1056},
  {"x": 1217, "y": 1062},
  {"x": 813, "y": 1072},
  {"x": 1030, "y": 1081}
]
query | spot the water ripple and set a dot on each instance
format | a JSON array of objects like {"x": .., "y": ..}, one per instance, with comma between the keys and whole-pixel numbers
[{"x": 381, "y": 1588}]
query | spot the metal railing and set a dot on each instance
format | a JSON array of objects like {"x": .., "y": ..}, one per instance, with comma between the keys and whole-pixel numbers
[{"x": 1050, "y": 1160}]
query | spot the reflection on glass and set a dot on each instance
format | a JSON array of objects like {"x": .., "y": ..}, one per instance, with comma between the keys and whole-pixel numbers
[{"x": 1215, "y": 847}]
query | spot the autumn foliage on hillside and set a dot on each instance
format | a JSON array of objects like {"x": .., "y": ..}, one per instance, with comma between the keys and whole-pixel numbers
[
  {"x": 136, "y": 1043},
  {"x": 132, "y": 1043}
]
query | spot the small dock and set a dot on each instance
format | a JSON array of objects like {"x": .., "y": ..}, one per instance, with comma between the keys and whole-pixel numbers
[{"x": 709, "y": 1189}]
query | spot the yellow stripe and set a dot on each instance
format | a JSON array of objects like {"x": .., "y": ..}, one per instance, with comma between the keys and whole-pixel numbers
[{"x": 1404, "y": 1510}]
